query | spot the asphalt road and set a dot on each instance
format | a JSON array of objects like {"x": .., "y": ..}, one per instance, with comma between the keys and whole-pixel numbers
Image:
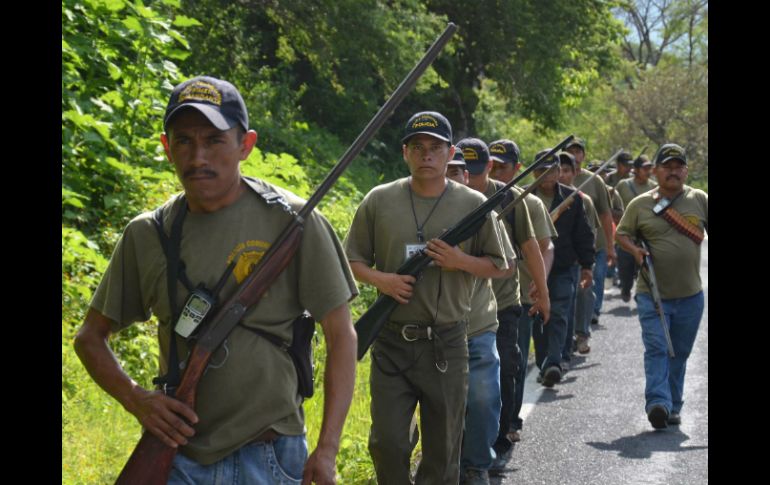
[{"x": 591, "y": 428}]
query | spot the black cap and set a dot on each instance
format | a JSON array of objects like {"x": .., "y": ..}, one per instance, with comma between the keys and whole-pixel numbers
[
  {"x": 504, "y": 151},
  {"x": 217, "y": 100},
  {"x": 458, "y": 159},
  {"x": 625, "y": 158},
  {"x": 549, "y": 162},
  {"x": 476, "y": 154},
  {"x": 577, "y": 142},
  {"x": 566, "y": 158},
  {"x": 642, "y": 161},
  {"x": 670, "y": 151},
  {"x": 430, "y": 123}
]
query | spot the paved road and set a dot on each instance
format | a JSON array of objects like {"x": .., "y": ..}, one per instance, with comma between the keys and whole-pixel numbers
[{"x": 592, "y": 429}]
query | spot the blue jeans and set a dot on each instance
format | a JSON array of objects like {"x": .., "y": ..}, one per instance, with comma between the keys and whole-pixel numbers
[
  {"x": 510, "y": 361},
  {"x": 549, "y": 339},
  {"x": 600, "y": 272},
  {"x": 281, "y": 461},
  {"x": 525, "y": 336},
  {"x": 664, "y": 375},
  {"x": 566, "y": 352},
  {"x": 482, "y": 411}
]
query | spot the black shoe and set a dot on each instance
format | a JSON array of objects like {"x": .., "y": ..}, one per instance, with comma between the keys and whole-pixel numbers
[
  {"x": 658, "y": 417},
  {"x": 552, "y": 375},
  {"x": 674, "y": 419},
  {"x": 625, "y": 295},
  {"x": 594, "y": 320}
]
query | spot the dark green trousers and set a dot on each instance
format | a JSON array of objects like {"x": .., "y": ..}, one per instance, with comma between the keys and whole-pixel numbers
[{"x": 395, "y": 395}]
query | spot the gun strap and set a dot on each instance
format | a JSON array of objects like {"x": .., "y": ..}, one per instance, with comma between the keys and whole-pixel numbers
[{"x": 682, "y": 225}]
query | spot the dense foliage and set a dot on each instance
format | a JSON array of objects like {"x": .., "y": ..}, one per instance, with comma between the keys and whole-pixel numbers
[{"x": 312, "y": 73}]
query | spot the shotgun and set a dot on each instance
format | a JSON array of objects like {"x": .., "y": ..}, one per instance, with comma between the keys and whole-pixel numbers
[
  {"x": 150, "y": 463},
  {"x": 652, "y": 282},
  {"x": 372, "y": 321},
  {"x": 557, "y": 212}
]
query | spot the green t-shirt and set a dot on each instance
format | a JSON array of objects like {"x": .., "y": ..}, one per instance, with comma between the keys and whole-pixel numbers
[
  {"x": 250, "y": 384},
  {"x": 628, "y": 189},
  {"x": 507, "y": 289},
  {"x": 597, "y": 190},
  {"x": 676, "y": 257},
  {"x": 616, "y": 202},
  {"x": 613, "y": 178},
  {"x": 383, "y": 226},
  {"x": 544, "y": 228},
  {"x": 593, "y": 221}
]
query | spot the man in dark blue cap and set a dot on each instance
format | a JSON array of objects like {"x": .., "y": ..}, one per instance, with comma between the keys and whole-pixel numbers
[
  {"x": 248, "y": 407},
  {"x": 421, "y": 356},
  {"x": 672, "y": 218}
]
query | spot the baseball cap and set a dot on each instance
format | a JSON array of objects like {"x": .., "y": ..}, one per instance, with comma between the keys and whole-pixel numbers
[
  {"x": 430, "y": 123},
  {"x": 642, "y": 161},
  {"x": 625, "y": 158},
  {"x": 548, "y": 162},
  {"x": 579, "y": 142},
  {"x": 458, "y": 159},
  {"x": 670, "y": 151},
  {"x": 476, "y": 154},
  {"x": 566, "y": 158},
  {"x": 218, "y": 100},
  {"x": 504, "y": 151}
]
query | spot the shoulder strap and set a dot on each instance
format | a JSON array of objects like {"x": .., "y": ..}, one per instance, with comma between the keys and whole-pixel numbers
[{"x": 269, "y": 195}]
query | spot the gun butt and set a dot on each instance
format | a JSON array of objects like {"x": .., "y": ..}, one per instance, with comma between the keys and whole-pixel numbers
[
  {"x": 371, "y": 322},
  {"x": 149, "y": 464}
]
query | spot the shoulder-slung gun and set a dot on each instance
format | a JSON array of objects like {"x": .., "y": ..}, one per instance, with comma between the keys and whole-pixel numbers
[
  {"x": 151, "y": 460},
  {"x": 371, "y": 322},
  {"x": 652, "y": 282}
]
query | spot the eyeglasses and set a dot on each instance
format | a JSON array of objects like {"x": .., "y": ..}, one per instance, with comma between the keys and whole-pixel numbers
[{"x": 435, "y": 149}]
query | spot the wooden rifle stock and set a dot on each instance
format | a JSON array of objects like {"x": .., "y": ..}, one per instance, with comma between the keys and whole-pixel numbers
[{"x": 150, "y": 463}]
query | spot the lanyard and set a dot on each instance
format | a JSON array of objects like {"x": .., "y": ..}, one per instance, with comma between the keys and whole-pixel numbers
[{"x": 420, "y": 235}]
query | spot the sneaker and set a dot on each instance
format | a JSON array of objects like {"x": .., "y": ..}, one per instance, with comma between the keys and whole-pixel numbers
[
  {"x": 582, "y": 345},
  {"x": 658, "y": 416},
  {"x": 594, "y": 320},
  {"x": 674, "y": 419},
  {"x": 625, "y": 295},
  {"x": 471, "y": 476},
  {"x": 498, "y": 464},
  {"x": 552, "y": 375}
]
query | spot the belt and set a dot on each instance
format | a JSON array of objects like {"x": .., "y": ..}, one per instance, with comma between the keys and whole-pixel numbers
[
  {"x": 412, "y": 331},
  {"x": 268, "y": 435}
]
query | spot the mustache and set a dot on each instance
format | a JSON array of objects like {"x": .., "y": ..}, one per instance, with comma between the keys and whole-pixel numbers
[
  {"x": 673, "y": 177},
  {"x": 199, "y": 172}
]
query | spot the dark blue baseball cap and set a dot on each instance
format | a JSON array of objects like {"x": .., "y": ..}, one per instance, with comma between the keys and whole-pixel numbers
[
  {"x": 430, "y": 123},
  {"x": 218, "y": 100},
  {"x": 504, "y": 151},
  {"x": 476, "y": 154}
]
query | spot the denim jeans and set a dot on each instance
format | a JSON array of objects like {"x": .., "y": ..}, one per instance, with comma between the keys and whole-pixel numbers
[
  {"x": 510, "y": 362},
  {"x": 267, "y": 463},
  {"x": 482, "y": 411},
  {"x": 600, "y": 272},
  {"x": 525, "y": 336},
  {"x": 549, "y": 339},
  {"x": 664, "y": 375},
  {"x": 566, "y": 351}
]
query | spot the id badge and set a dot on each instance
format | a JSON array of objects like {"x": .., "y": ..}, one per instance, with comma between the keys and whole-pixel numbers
[{"x": 412, "y": 249}]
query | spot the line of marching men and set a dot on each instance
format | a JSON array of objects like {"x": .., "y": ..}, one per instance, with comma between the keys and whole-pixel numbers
[{"x": 459, "y": 342}]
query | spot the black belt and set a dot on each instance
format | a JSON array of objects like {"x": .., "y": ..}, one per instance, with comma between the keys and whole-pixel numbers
[
  {"x": 412, "y": 332},
  {"x": 268, "y": 435}
]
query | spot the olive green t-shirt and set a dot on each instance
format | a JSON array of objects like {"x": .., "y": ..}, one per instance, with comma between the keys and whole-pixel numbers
[
  {"x": 507, "y": 289},
  {"x": 627, "y": 187},
  {"x": 250, "y": 384},
  {"x": 676, "y": 258},
  {"x": 384, "y": 224},
  {"x": 593, "y": 221},
  {"x": 613, "y": 178},
  {"x": 597, "y": 190},
  {"x": 544, "y": 228},
  {"x": 616, "y": 202}
]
